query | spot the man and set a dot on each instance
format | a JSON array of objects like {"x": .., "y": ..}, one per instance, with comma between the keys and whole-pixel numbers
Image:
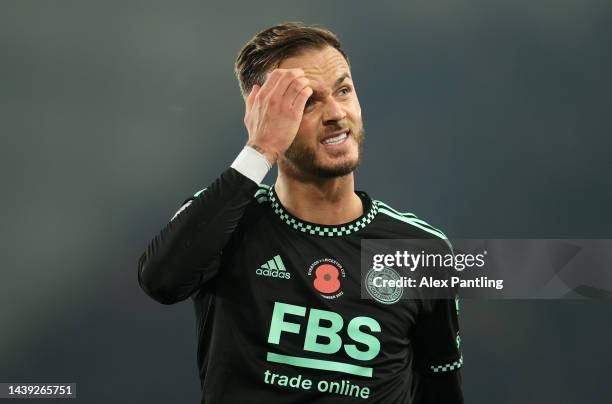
[{"x": 274, "y": 271}]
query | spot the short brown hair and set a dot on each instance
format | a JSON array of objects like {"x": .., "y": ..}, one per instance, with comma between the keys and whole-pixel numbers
[{"x": 266, "y": 50}]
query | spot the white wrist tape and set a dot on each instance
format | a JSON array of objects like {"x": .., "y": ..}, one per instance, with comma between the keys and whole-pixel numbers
[{"x": 252, "y": 164}]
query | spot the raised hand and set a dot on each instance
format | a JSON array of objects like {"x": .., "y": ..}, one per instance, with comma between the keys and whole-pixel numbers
[{"x": 274, "y": 111}]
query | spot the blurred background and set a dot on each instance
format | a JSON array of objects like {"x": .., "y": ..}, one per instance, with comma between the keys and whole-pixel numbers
[{"x": 486, "y": 118}]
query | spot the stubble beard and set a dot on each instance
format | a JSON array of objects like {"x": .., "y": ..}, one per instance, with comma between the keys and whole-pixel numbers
[{"x": 303, "y": 159}]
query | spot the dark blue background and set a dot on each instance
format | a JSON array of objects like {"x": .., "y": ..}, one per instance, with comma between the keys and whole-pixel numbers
[{"x": 486, "y": 118}]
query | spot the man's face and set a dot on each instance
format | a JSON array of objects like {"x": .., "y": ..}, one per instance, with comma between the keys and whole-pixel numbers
[{"x": 330, "y": 138}]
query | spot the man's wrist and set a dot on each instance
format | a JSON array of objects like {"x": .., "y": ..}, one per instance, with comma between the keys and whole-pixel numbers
[
  {"x": 271, "y": 157},
  {"x": 252, "y": 164}
]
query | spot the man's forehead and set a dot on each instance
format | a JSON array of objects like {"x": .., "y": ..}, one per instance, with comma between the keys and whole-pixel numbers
[{"x": 318, "y": 64}]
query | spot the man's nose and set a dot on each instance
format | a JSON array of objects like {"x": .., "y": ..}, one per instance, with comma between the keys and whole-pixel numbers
[{"x": 333, "y": 111}]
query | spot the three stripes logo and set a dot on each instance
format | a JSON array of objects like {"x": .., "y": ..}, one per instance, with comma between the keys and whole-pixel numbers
[{"x": 274, "y": 268}]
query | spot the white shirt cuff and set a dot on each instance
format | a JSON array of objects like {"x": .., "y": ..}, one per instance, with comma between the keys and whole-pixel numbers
[{"x": 252, "y": 164}]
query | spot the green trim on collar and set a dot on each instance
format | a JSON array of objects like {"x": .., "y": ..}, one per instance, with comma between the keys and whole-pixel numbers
[{"x": 318, "y": 229}]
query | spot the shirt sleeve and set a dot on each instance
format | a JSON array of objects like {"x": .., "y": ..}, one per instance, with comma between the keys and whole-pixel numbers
[
  {"x": 187, "y": 252},
  {"x": 438, "y": 359}
]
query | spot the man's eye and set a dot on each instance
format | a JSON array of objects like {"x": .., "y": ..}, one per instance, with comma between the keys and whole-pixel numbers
[{"x": 344, "y": 91}]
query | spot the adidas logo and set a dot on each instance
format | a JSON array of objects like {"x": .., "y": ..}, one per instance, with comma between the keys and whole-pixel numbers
[{"x": 274, "y": 268}]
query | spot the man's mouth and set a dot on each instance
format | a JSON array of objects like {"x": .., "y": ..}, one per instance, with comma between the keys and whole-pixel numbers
[{"x": 336, "y": 138}]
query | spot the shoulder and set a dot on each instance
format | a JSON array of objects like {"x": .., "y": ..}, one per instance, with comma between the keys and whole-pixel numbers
[
  {"x": 406, "y": 223},
  {"x": 262, "y": 194},
  {"x": 260, "y": 201},
  {"x": 258, "y": 198}
]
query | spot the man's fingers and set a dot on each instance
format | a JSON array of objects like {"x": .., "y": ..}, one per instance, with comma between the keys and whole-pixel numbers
[
  {"x": 294, "y": 89},
  {"x": 301, "y": 98},
  {"x": 251, "y": 98},
  {"x": 288, "y": 75},
  {"x": 273, "y": 77}
]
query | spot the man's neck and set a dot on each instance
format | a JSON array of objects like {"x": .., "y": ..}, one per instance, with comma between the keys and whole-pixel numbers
[{"x": 329, "y": 201}]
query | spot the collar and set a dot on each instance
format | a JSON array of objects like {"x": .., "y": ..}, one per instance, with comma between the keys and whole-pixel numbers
[{"x": 370, "y": 209}]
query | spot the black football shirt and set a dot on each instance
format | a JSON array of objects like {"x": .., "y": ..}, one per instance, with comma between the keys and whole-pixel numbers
[{"x": 279, "y": 308}]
